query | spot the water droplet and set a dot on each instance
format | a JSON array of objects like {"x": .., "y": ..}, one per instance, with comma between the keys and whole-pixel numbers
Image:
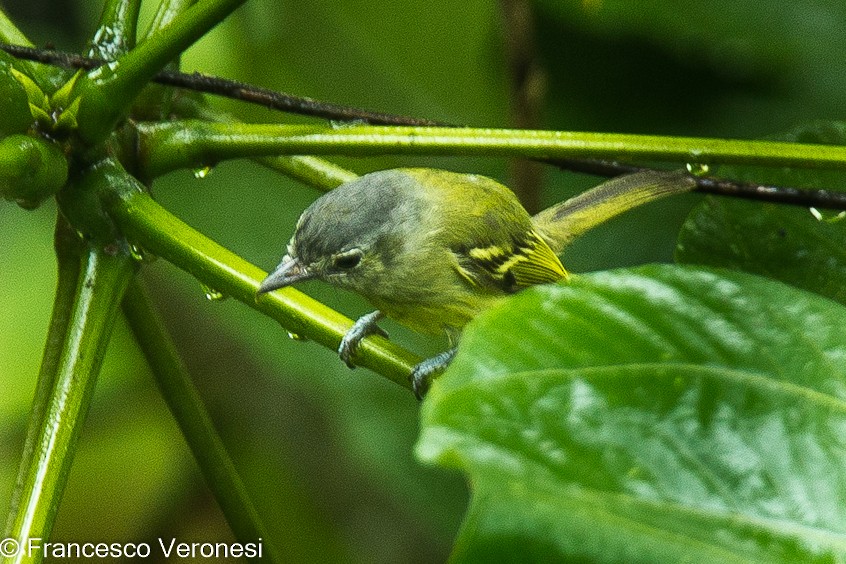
[
  {"x": 211, "y": 294},
  {"x": 697, "y": 169},
  {"x": 140, "y": 254},
  {"x": 202, "y": 172},
  {"x": 827, "y": 217}
]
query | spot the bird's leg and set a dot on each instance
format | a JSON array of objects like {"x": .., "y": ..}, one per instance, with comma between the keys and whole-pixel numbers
[
  {"x": 423, "y": 373},
  {"x": 364, "y": 326}
]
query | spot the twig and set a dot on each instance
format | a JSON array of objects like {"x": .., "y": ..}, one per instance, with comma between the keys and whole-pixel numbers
[
  {"x": 229, "y": 88},
  {"x": 819, "y": 198}
]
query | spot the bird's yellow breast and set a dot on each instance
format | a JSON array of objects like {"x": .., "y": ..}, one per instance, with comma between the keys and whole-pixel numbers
[{"x": 438, "y": 316}]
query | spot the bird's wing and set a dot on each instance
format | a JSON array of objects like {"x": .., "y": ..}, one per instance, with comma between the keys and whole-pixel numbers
[{"x": 511, "y": 265}]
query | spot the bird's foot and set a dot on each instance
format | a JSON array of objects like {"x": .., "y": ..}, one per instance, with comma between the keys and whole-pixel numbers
[
  {"x": 423, "y": 373},
  {"x": 365, "y": 325}
]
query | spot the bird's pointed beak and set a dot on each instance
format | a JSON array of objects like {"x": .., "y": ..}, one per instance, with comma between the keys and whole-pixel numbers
[{"x": 289, "y": 271}]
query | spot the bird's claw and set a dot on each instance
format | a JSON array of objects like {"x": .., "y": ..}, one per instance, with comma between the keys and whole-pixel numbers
[
  {"x": 424, "y": 372},
  {"x": 365, "y": 326}
]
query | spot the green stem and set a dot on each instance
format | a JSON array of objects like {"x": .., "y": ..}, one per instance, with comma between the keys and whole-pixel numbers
[
  {"x": 197, "y": 427},
  {"x": 166, "y": 11},
  {"x": 158, "y": 231},
  {"x": 313, "y": 171},
  {"x": 46, "y": 77},
  {"x": 108, "y": 91},
  {"x": 191, "y": 143},
  {"x": 116, "y": 33},
  {"x": 68, "y": 250},
  {"x": 103, "y": 275}
]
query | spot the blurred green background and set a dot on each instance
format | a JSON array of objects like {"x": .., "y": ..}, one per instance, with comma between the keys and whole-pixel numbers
[{"x": 327, "y": 452}]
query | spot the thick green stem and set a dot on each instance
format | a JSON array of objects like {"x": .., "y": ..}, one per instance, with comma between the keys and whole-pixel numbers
[
  {"x": 158, "y": 231},
  {"x": 115, "y": 34},
  {"x": 192, "y": 143},
  {"x": 103, "y": 275},
  {"x": 166, "y": 11},
  {"x": 197, "y": 427},
  {"x": 68, "y": 250},
  {"x": 314, "y": 171},
  {"x": 108, "y": 91}
]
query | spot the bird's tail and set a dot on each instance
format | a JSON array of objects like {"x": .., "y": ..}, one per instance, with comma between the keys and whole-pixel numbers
[{"x": 563, "y": 222}]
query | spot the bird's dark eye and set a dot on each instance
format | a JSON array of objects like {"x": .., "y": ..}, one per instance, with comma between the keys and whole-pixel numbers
[{"x": 347, "y": 260}]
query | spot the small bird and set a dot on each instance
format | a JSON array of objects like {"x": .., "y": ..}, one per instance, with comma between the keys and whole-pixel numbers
[{"x": 432, "y": 249}]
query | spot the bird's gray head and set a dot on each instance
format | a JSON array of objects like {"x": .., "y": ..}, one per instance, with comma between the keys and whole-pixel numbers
[{"x": 348, "y": 236}]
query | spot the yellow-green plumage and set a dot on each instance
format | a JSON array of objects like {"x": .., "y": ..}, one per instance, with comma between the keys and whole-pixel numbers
[
  {"x": 432, "y": 249},
  {"x": 463, "y": 243}
]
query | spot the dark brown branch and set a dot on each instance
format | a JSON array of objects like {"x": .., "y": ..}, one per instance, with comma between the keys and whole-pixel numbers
[
  {"x": 818, "y": 198},
  {"x": 230, "y": 89},
  {"x": 815, "y": 198}
]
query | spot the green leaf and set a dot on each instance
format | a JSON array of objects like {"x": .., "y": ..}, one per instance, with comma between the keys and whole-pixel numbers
[
  {"x": 787, "y": 243},
  {"x": 67, "y": 117},
  {"x": 38, "y": 100},
  {"x": 62, "y": 97},
  {"x": 775, "y": 241},
  {"x": 649, "y": 415},
  {"x": 65, "y": 105}
]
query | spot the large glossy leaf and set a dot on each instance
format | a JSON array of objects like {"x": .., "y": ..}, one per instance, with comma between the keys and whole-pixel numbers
[
  {"x": 791, "y": 244},
  {"x": 780, "y": 242},
  {"x": 661, "y": 414}
]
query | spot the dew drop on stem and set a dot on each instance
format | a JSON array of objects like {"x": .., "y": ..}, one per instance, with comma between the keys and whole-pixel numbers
[
  {"x": 211, "y": 294},
  {"x": 697, "y": 169},
  {"x": 202, "y": 172}
]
